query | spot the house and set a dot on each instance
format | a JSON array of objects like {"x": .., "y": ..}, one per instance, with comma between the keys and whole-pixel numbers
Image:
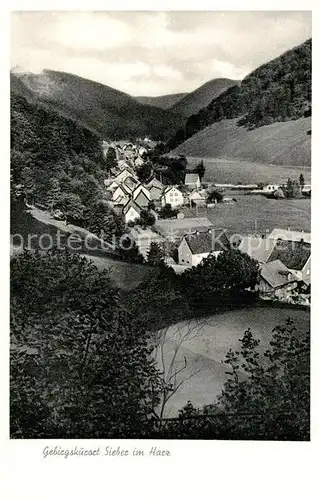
[
  {"x": 155, "y": 193},
  {"x": 276, "y": 281},
  {"x": 143, "y": 239},
  {"x": 131, "y": 211},
  {"x": 130, "y": 183},
  {"x": 257, "y": 248},
  {"x": 174, "y": 229},
  {"x": 141, "y": 189},
  {"x": 196, "y": 198},
  {"x": 292, "y": 248},
  {"x": 120, "y": 195},
  {"x": 271, "y": 188},
  {"x": 196, "y": 246},
  {"x": 126, "y": 172},
  {"x": 295, "y": 255},
  {"x": 289, "y": 235},
  {"x": 139, "y": 162},
  {"x": 172, "y": 196},
  {"x": 142, "y": 200},
  {"x": 155, "y": 183},
  {"x": 192, "y": 181}
]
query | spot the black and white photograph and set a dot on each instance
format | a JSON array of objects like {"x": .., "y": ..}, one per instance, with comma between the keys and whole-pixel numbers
[{"x": 160, "y": 226}]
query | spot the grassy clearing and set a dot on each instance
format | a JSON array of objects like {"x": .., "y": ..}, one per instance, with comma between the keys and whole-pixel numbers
[
  {"x": 247, "y": 172},
  {"x": 258, "y": 212},
  {"x": 281, "y": 143}
]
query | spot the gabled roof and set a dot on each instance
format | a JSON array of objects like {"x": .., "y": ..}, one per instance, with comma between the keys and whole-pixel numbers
[
  {"x": 293, "y": 254},
  {"x": 169, "y": 188},
  {"x": 191, "y": 178},
  {"x": 131, "y": 204},
  {"x": 141, "y": 199},
  {"x": 288, "y": 235},
  {"x": 277, "y": 274},
  {"x": 155, "y": 183},
  {"x": 213, "y": 240},
  {"x": 257, "y": 248},
  {"x": 130, "y": 183},
  {"x": 124, "y": 189}
]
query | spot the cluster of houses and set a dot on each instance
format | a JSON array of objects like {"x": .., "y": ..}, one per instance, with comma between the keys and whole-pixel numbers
[
  {"x": 128, "y": 196},
  {"x": 284, "y": 258},
  {"x": 133, "y": 154},
  {"x": 283, "y": 255}
]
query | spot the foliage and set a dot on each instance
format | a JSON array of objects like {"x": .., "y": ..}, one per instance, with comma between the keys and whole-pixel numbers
[
  {"x": 277, "y": 91},
  {"x": 221, "y": 280},
  {"x": 266, "y": 396},
  {"x": 215, "y": 195},
  {"x": 292, "y": 189},
  {"x": 200, "y": 170},
  {"x": 146, "y": 219},
  {"x": 301, "y": 180},
  {"x": 110, "y": 159},
  {"x": 80, "y": 365},
  {"x": 144, "y": 172},
  {"x": 156, "y": 254},
  {"x": 167, "y": 212}
]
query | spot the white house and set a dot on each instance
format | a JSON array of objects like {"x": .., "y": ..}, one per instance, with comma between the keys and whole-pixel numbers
[
  {"x": 173, "y": 196},
  {"x": 196, "y": 246},
  {"x": 131, "y": 211},
  {"x": 271, "y": 188},
  {"x": 196, "y": 198},
  {"x": 192, "y": 181},
  {"x": 120, "y": 195}
]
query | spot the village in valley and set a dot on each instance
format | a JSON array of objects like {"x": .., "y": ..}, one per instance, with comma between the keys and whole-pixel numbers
[
  {"x": 160, "y": 251},
  {"x": 169, "y": 222}
]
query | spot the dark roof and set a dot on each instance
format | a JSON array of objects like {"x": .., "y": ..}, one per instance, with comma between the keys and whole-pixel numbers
[
  {"x": 213, "y": 240},
  {"x": 129, "y": 204},
  {"x": 142, "y": 200},
  {"x": 293, "y": 254},
  {"x": 277, "y": 274}
]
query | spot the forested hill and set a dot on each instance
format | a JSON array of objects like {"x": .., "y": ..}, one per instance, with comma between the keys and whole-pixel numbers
[
  {"x": 277, "y": 91},
  {"x": 54, "y": 160},
  {"x": 108, "y": 111}
]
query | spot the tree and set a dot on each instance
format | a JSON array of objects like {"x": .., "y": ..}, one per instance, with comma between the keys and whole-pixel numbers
[
  {"x": 292, "y": 189},
  {"x": 110, "y": 159},
  {"x": 144, "y": 172},
  {"x": 214, "y": 196},
  {"x": 73, "y": 351},
  {"x": 72, "y": 207},
  {"x": 200, "y": 170},
  {"x": 156, "y": 254},
  {"x": 222, "y": 280},
  {"x": 146, "y": 219},
  {"x": 266, "y": 396},
  {"x": 301, "y": 180},
  {"x": 167, "y": 212}
]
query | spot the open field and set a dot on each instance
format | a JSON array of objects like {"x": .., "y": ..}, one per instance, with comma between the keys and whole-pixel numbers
[
  {"x": 235, "y": 171},
  {"x": 281, "y": 143},
  {"x": 253, "y": 212},
  {"x": 208, "y": 340}
]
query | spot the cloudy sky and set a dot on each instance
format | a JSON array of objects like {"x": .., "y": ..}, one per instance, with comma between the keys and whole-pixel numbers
[{"x": 153, "y": 53}]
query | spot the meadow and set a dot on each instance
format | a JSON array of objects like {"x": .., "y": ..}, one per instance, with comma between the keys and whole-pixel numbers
[
  {"x": 247, "y": 172},
  {"x": 256, "y": 213}
]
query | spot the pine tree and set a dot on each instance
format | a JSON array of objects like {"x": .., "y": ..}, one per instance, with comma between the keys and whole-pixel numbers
[
  {"x": 110, "y": 159},
  {"x": 156, "y": 254}
]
